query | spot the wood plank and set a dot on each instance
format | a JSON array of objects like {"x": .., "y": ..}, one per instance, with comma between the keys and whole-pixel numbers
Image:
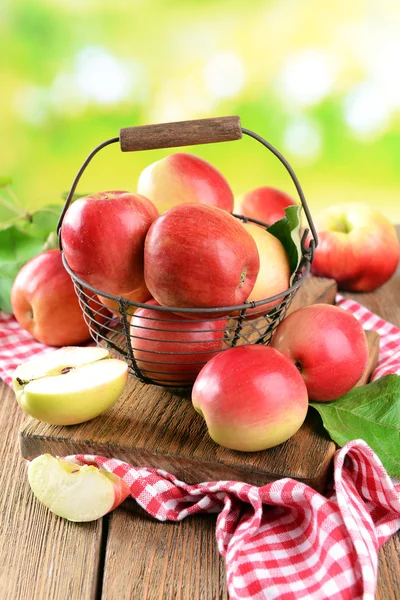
[
  {"x": 373, "y": 340},
  {"x": 151, "y": 560},
  {"x": 42, "y": 557}
]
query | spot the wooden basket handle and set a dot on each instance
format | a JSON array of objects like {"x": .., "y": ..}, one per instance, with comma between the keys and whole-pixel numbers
[{"x": 181, "y": 133}]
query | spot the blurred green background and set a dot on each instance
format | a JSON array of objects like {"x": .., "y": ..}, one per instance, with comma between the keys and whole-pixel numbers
[{"x": 318, "y": 80}]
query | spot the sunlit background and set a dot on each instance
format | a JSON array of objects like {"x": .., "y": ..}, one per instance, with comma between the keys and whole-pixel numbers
[{"x": 319, "y": 80}]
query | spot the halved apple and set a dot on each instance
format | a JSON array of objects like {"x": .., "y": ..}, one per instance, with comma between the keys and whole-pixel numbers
[
  {"x": 76, "y": 493},
  {"x": 69, "y": 386}
]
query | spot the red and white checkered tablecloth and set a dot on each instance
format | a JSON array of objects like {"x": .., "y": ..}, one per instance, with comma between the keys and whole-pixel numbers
[{"x": 283, "y": 540}]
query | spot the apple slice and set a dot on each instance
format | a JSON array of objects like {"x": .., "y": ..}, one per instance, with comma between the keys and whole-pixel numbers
[
  {"x": 76, "y": 493},
  {"x": 69, "y": 386}
]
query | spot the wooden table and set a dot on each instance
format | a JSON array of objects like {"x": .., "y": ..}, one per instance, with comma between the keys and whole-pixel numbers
[{"x": 126, "y": 555}]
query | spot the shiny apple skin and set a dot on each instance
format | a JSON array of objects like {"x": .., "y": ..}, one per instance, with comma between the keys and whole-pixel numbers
[
  {"x": 44, "y": 302},
  {"x": 181, "y": 178},
  {"x": 329, "y": 347},
  {"x": 266, "y": 204},
  {"x": 199, "y": 256},
  {"x": 103, "y": 240},
  {"x": 185, "y": 346},
  {"x": 251, "y": 397},
  {"x": 357, "y": 246}
]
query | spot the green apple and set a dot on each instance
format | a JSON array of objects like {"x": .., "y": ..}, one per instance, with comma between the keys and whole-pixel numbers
[
  {"x": 76, "y": 493},
  {"x": 69, "y": 386}
]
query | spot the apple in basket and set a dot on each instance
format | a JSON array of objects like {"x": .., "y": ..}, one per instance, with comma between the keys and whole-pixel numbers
[
  {"x": 199, "y": 256},
  {"x": 77, "y": 493},
  {"x": 180, "y": 178},
  {"x": 169, "y": 348},
  {"x": 274, "y": 274},
  {"x": 70, "y": 385},
  {"x": 357, "y": 246},
  {"x": 265, "y": 204},
  {"x": 251, "y": 397},
  {"x": 328, "y": 346},
  {"x": 44, "y": 302},
  {"x": 103, "y": 241}
]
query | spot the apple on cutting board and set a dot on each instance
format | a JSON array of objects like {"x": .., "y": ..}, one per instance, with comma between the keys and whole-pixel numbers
[
  {"x": 69, "y": 386},
  {"x": 251, "y": 398}
]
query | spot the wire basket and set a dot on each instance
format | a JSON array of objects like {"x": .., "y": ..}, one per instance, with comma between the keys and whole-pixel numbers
[{"x": 160, "y": 347}]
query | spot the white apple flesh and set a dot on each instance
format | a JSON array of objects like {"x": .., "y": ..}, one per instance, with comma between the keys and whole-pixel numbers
[
  {"x": 77, "y": 493},
  {"x": 69, "y": 386}
]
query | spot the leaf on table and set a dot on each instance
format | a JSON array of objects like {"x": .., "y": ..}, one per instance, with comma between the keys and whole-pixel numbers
[
  {"x": 287, "y": 230},
  {"x": 370, "y": 412}
]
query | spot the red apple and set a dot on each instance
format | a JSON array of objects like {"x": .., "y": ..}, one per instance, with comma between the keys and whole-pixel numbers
[
  {"x": 44, "y": 302},
  {"x": 328, "y": 346},
  {"x": 265, "y": 204},
  {"x": 274, "y": 274},
  {"x": 199, "y": 256},
  {"x": 103, "y": 241},
  {"x": 357, "y": 246},
  {"x": 170, "y": 349},
  {"x": 180, "y": 178},
  {"x": 251, "y": 397}
]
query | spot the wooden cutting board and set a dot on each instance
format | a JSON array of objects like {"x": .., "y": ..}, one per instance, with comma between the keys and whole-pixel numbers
[{"x": 157, "y": 427}]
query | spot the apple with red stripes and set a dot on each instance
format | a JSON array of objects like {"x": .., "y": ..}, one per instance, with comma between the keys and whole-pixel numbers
[{"x": 181, "y": 178}]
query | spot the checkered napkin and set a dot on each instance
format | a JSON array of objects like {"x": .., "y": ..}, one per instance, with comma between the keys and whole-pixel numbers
[{"x": 283, "y": 540}]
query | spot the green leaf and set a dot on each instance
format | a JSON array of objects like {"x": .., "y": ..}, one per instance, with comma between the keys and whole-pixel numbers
[
  {"x": 43, "y": 222},
  {"x": 287, "y": 230},
  {"x": 370, "y": 412},
  {"x": 5, "y": 181},
  {"x": 16, "y": 248}
]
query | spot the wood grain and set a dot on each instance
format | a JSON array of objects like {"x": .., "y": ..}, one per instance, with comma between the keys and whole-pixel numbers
[
  {"x": 42, "y": 557},
  {"x": 181, "y": 133},
  {"x": 149, "y": 560}
]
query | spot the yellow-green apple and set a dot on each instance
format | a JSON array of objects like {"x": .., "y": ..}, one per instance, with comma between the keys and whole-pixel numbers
[
  {"x": 74, "y": 492},
  {"x": 251, "y": 397},
  {"x": 201, "y": 257},
  {"x": 183, "y": 177},
  {"x": 266, "y": 204},
  {"x": 70, "y": 385},
  {"x": 357, "y": 246},
  {"x": 103, "y": 241},
  {"x": 328, "y": 346},
  {"x": 274, "y": 274},
  {"x": 44, "y": 302},
  {"x": 169, "y": 348}
]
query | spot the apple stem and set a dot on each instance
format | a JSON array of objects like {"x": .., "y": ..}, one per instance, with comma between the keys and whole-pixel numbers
[{"x": 298, "y": 365}]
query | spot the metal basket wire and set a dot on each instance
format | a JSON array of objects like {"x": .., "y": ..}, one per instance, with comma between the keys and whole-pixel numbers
[{"x": 164, "y": 349}]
